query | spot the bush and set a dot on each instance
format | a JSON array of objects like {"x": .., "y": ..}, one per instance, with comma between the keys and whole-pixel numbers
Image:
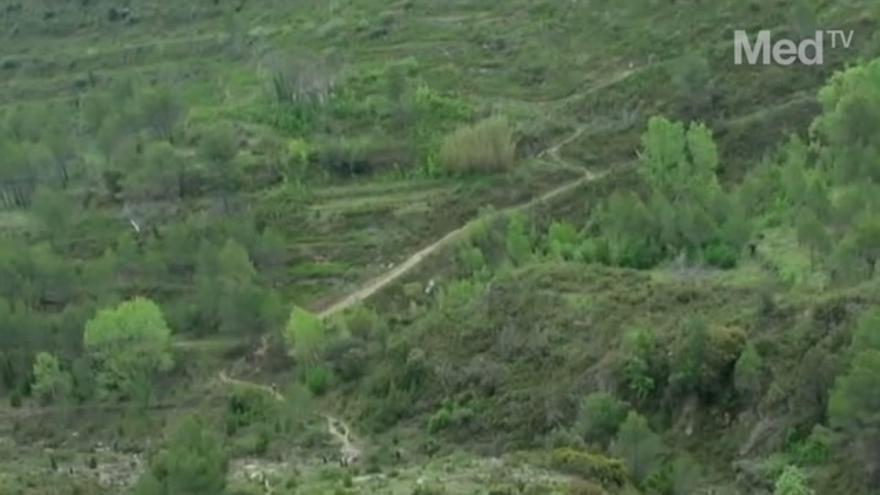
[
  {"x": 518, "y": 240},
  {"x": 246, "y": 407},
  {"x": 487, "y": 146},
  {"x": 720, "y": 255},
  {"x": 609, "y": 472},
  {"x": 304, "y": 335},
  {"x": 449, "y": 416},
  {"x": 440, "y": 420},
  {"x": 194, "y": 463},
  {"x": 317, "y": 379},
  {"x": 364, "y": 323},
  {"x": 582, "y": 487},
  {"x": 638, "y": 446},
  {"x": 348, "y": 358},
  {"x": 814, "y": 450},
  {"x": 792, "y": 481},
  {"x": 51, "y": 383},
  {"x": 362, "y": 156},
  {"x": 430, "y": 489},
  {"x": 639, "y": 255},
  {"x": 704, "y": 364},
  {"x": 600, "y": 416}
]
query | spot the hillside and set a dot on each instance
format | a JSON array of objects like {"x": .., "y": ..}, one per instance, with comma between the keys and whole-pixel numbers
[{"x": 418, "y": 247}]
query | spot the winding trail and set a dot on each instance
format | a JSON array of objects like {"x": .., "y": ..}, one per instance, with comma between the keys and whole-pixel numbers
[
  {"x": 225, "y": 378},
  {"x": 375, "y": 285},
  {"x": 349, "y": 452}
]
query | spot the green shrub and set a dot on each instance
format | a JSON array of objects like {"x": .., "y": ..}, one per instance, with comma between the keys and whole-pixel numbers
[
  {"x": 364, "y": 323},
  {"x": 348, "y": 358},
  {"x": 643, "y": 366},
  {"x": 640, "y": 254},
  {"x": 562, "y": 241},
  {"x": 317, "y": 379},
  {"x": 194, "y": 462},
  {"x": 440, "y": 420},
  {"x": 600, "y": 416},
  {"x": 362, "y": 156},
  {"x": 705, "y": 362},
  {"x": 518, "y": 240},
  {"x": 583, "y": 487},
  {"x": 248, "y": 406},
  {"x": 472, "y": 260},
  {"x": 792, "y": 481},
  {"x": 609, "y": 472},
  {"x": 430, "y": 489},
  {"x": 51, "y": 383},
  {"x": 638, "y": 446},
  {"x": 487, "y": 146},
  {"x": 304, "y": 335},
  {"x": 252, "y": 444},
  {"x": 720, "y": 255},
  {"x": 815, "y": 449},
  {"x": 448, "y": 416}
]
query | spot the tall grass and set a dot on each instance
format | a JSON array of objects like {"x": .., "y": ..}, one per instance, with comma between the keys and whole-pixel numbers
[{"x": 487, "y": 146}]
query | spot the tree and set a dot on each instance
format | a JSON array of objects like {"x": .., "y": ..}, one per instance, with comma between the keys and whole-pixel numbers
[
  {"x": 193, "y": 463},
  {"x": 701, "y": 365},
  {"x": 692, "y": 77},
  {"x": 853, "y": 410},
  {"x": 51, "y": 383},
  {"x": 663, "y": 152},
  {"x": 600, "y": 417},
  {"x": 55, "y": 211},
  {"x": 161, "y": 173},
  {"x": 863, "y": 241},
  {"x": 162, "y": 111},
  {"x": 685, "y": 212},
  {"x": 219, "y": 147},
  {"x": 642, "y": 366},
  {"x": 365, "y": 323},
  {"x": 128, "y": 345},
  {"x": 685, "y": 475},
  {"x": 519, "y": 245},
  {"x": 228, "y": 291},
  {"x": 867, "y": 333},
  {"x": 638, "y": 446},
  {"x": 811, "y": 233},
  {"x": 792, "y": 481},
  {"x": 234, "y": 266},
  {"x": 304, "y": 334},
  {"x": 748, "y": 373}
]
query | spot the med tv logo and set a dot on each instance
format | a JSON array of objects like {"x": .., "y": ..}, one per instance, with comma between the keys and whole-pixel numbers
[{"x": 762, "y": 49}]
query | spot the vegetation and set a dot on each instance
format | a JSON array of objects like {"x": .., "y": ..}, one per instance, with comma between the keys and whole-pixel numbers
[
  {"x": 436, "y": 247},
  {"x": 128, "y": 345},
  {"x": 487, "y": 146}
]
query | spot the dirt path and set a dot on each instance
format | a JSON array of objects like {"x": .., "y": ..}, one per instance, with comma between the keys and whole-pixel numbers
[
  {"x": 225, "y": 378},
  {"x": 349, "y": 452},
  {"x": 377, "y": 284}
]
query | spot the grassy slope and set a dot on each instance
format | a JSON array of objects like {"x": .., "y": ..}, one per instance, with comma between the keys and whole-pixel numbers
[{"x": 583, "y": 74}]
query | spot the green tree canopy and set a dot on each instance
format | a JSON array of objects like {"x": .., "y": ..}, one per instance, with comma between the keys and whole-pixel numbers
[
  {"x": 304, "y": 334},
  {"x": 638, "y": 446},
  {"x": 600, "y": 416},
  {"x": 128, "y": 344},
  {"x": 748, "y": 373},
  {"x": 51, "y": 383},
  {"x": 193, "y": 463},
  {"x": 792, "y": 481}
]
